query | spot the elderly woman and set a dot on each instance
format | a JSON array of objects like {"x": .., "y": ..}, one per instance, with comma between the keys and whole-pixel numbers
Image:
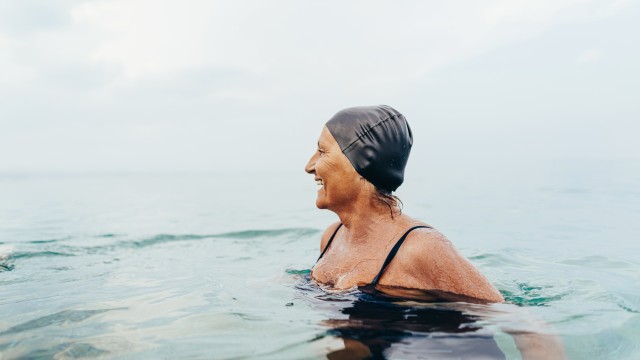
[{"x": 360, "y": 161}]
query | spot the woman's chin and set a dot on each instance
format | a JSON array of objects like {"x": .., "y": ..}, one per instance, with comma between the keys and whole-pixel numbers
[{"x": 320, "y": 203}]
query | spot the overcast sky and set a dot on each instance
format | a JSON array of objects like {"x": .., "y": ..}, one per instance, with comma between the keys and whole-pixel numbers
[{"x": 156, "y": 85}]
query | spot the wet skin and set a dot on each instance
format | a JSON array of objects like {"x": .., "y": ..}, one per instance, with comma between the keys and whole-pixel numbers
[{"x": 426, "y": 260}]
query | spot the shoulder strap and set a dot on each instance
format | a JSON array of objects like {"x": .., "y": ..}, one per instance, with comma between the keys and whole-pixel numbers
[
  {"x": 393, "y": 252},
  {"x": 329, "y": 243}
]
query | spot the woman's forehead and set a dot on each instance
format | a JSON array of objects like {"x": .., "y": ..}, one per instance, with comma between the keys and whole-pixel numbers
[{"x": 326, "y": 139}]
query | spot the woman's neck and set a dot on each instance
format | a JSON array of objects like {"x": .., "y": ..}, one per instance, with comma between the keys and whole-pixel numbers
[{"x": 362, "y": 223}]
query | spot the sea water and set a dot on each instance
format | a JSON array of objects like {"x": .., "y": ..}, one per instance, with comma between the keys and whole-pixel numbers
[{"x": 217, "y": 265}]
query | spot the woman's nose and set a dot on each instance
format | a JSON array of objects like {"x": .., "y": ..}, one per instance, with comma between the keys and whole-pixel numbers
[{"x": 311, "y": 165}]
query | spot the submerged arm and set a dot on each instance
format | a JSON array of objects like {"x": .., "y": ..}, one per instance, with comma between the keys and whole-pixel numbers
[{"x": 537, "y": 342}]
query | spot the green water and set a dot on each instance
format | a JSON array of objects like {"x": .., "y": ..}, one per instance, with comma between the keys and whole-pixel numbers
[{"x": 216, "y": 265}]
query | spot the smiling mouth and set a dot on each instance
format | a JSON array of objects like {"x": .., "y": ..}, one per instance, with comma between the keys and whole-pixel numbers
[{"x": 319, "y": 183}]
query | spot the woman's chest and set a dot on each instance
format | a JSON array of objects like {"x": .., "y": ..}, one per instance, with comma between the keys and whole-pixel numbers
[{"x": 346, "y": 271}]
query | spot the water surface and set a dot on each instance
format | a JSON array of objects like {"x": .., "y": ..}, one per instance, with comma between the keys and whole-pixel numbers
[{"x": 217, "y": 265}]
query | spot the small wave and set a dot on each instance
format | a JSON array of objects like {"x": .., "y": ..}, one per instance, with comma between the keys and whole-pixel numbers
[
  {"x": 79, "y": 350},
  {"x": 5, "y": 250},
  {"x": 5, "y": 264},
  {"x": 628, "y": 302},
  {"x": 47, "y": 241},
  {"x": 108, "y": 235},
  {"x": 161, "y": 239},
  {"x": 246, "y": 234},
  {"x": 298, "y": 271},
  {"x": 65, "y": 351},
  {"x": 624, "y": 306},
  {"x": 531, "y": 295},
  {"x": 42, "y": 241},
  {"x": 62, "y": 317},
  {"x": 248, "y": 317},
  {"x": 493, "y": 259},
  {"x": 249, "y": 234},
  {"x": 35, "y": 254},
  {"x": 70, "y": 250}
]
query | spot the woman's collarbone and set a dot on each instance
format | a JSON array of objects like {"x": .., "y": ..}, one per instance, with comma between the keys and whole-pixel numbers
[{"x": 346, "y": 274}]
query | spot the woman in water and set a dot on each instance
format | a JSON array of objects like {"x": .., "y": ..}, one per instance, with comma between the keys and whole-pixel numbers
[{"x": 360, "y": 161}]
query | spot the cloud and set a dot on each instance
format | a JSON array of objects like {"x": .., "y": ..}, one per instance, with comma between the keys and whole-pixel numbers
[
  {"x": 365, "y": 42},
  {"x": 591, "y": 55},
  {"x": 27, "y": 16},
  {"x": 346, "y": 47},
  {"x": 12, "y": 73},
  {"x": 108, "y": 84}
]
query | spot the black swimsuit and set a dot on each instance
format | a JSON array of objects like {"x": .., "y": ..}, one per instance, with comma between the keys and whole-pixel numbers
[
  {"x": 390, "y": 257},
  {"x": 391, "y": 330}
]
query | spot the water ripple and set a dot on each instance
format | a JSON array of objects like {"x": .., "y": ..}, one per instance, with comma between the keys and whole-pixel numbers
[
  {"x": 59, "y": 318},
  {"x": 55, "y": 250},
  {"x": 34, "y": 254},
  {"x": 528, "y": 294},
  {"x": 6, "y": 266},
  {"x": 170, "y": 238}
]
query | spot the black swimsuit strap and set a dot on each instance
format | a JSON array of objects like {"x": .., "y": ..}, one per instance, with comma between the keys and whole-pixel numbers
[
  {"x": 329, "y": 243},
  {"x": 392, "y": 254}
]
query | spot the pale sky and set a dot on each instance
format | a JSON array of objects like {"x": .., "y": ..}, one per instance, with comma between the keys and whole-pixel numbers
[{"x": 201, "y": 86}]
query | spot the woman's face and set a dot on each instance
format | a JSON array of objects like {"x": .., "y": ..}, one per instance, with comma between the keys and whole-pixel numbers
[{"x": 339, "y": 182}]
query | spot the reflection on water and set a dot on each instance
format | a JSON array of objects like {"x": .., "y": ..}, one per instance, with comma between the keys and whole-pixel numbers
[
  {"x": 374, "y": 326},
  {"x": 385, "y": 330}
]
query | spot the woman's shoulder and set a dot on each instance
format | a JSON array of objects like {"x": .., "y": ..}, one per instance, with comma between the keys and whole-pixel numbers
[
  {"x": 428, "y": 260},
  {"x": 425, "y": 244},
  {"x": 425, "y": 240},
  {"x": 421, "y": 244},
  {"x": 420, "y": 230}
]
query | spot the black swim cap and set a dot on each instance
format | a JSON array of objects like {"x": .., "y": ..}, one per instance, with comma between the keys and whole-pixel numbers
[{"x": 376, "y": 140}]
